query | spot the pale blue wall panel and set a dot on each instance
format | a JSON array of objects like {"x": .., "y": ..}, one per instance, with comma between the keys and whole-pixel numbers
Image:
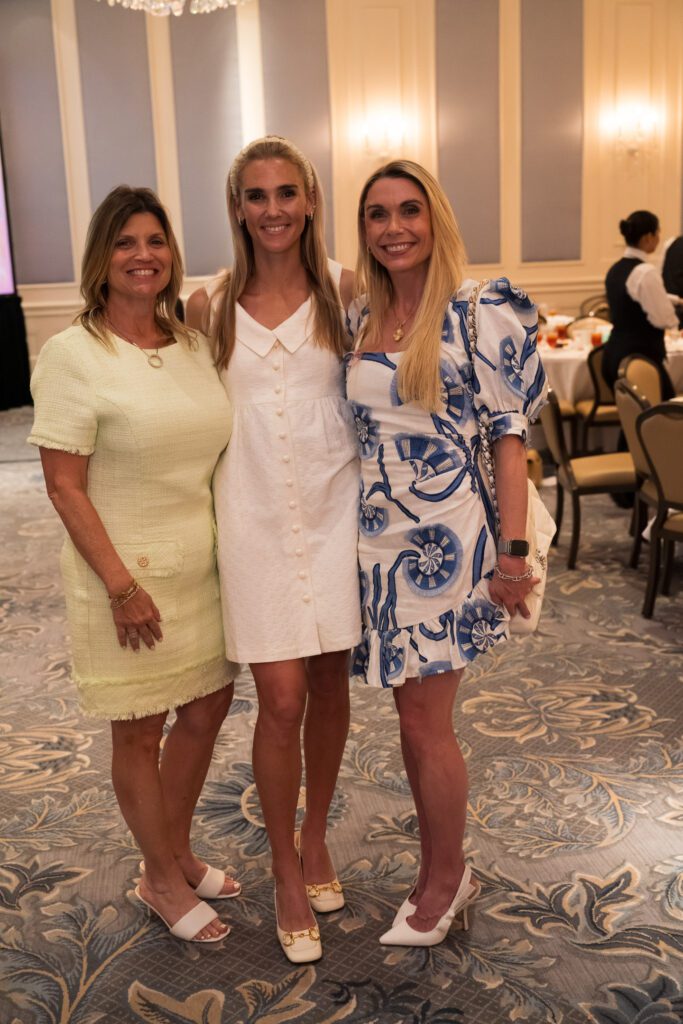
[
  {"x": 208, "y": 124},
  {"x": 34, "y": 155},
  {"x": 117, "y": 106},
  {"x": 468, "y": 120},
  {"x": 552, "y": 128},
  {"x": 296, "y": 84}
]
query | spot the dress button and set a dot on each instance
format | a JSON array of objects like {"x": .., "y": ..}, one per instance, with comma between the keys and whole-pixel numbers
[
  {"x": 276, "y": 366},
  {"x": 306, "y": 598},
  {"x": 296, "y": 528},
  {"x": 299, "y": 552},
  {"x": 143, "y": 561},
  {"x": 277, "y": 344},
  {"x": 285, "y": 458},
  {"x": 302, "y": 575},
  {"x": 282, "y": 436},
  {"x": 279, "y": 412},
  {"x": 292, "y": 504},
  {"x": 278, "y": 389},
  {"x": 290, "y": 483}
]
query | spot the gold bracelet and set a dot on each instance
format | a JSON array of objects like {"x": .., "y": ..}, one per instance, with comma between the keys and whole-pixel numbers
[
  {"x": 513, "y": 579},
  {"x": 125, "y": 595}
]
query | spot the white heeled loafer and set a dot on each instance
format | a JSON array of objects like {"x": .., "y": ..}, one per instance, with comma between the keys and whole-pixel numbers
[
  {"x": 302, "y": 947},
  {"x": 324, "y": 897},
  {"x": 402, "y": 934}
]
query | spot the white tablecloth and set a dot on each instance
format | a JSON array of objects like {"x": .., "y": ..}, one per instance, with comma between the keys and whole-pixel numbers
[{"x": 567, "y": 368}]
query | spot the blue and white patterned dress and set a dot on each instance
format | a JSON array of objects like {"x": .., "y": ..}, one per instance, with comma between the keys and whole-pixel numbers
[{"x": 427, "y": 533}]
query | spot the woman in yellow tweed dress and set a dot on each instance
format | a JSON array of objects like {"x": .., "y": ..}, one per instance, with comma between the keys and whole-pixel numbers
[{"x": 130, "y": 420}]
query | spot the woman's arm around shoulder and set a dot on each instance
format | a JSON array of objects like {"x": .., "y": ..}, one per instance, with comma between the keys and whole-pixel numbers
[{"x": 197, "y": 311}]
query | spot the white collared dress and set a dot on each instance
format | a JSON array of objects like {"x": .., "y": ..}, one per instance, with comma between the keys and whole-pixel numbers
[{"x": 286, "y": 495}]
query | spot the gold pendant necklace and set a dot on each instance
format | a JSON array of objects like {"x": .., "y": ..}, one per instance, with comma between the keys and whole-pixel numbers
[
  {"x": 154, "y": 359},
  {"x": 400, "y": 324}
]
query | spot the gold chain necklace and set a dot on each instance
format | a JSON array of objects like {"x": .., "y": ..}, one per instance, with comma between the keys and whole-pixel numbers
[
  {"x": 400, "y": 324},
  {"x": 154, "y": 359}
]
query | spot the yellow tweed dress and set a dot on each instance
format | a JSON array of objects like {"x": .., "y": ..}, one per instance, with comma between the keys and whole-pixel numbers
[{"x": 153, "y": 437}]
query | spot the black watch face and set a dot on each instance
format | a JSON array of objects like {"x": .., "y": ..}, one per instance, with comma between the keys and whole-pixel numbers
[{"x": 519, "y": 548}]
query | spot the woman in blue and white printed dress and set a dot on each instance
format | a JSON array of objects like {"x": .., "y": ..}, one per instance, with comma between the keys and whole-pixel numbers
[{"x": 438, "y": 588}]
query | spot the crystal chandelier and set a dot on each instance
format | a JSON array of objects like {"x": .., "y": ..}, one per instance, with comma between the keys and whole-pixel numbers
[{"x": 176, "y": 6}]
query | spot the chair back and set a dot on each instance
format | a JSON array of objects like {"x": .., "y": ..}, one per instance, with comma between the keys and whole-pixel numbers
[
  {"x": 630, "y": 404},
  {"x": 660, "y": 431},
  {"x": 602, "y": 392},
  {"x": 595, "y": 305},
  {"x": 642, "y": 372},
  {"x": 586, "y": 323},
  {"x": 551, "y": 420}
]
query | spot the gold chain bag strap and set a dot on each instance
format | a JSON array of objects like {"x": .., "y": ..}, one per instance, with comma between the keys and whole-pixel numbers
[{"x": 540, "y": 527}]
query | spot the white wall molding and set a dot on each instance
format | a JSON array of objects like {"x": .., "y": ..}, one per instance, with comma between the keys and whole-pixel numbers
[
  {"x": 68, "y": 70},
  {"x": 249, "y": 55},
  {"x": 382, "y": 67},
  {"x": 162, "y": 92}
]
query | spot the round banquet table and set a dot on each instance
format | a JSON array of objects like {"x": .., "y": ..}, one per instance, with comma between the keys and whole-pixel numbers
[{"x": 567, "y": 372}]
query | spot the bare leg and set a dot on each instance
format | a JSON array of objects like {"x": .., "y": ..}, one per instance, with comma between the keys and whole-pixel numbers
[
  {"x": 282, "y": 688},
  {"x": 425, "y": 838},
  {"x": 425, "y": 710},
  {"x": 137, "y": 784},
  {"x": 326, "y": 727},
  {"x": 185, "y": 761}
]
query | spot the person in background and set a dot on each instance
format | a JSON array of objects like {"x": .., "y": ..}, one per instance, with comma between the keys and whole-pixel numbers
[
  {"x": 437, "y": 586},
  {"x": 286, "y": 505},
  {"x": 672, "y": 273},
  {"x": 130, "y": 419},
  {"x": 640, "y": 308}
]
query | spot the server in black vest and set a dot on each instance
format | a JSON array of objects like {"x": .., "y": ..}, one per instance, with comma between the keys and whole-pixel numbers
[
  {"x": 640, "y": 308},
  {"x": 672, "y": 272}
]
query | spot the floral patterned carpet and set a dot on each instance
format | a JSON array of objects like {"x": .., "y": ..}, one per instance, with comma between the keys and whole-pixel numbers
[{"x": 574, "y": 742}]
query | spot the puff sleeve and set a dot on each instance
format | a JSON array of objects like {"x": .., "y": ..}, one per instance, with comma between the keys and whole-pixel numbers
[
  {"x": 65, "y": 415},
  {"x": 509, "y": 382}
]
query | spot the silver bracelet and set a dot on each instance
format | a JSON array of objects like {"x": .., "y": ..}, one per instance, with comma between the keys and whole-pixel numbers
[{"x": 513, "y": 579}]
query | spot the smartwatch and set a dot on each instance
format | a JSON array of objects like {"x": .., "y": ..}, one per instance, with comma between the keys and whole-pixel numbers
[{"x": 516, "y": 548}]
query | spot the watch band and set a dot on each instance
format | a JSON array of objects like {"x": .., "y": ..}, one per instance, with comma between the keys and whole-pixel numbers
[{"x": 516, "y": 548}]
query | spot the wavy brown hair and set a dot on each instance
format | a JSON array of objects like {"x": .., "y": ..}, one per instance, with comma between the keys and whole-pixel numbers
[
  {"x": 329, "y": 331},
  {"x": 419, "y": 379},
  {"x": 105, "y": 227}
]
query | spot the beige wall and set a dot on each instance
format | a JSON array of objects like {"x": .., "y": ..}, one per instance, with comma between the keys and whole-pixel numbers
[{"x": 381, "y": 76}]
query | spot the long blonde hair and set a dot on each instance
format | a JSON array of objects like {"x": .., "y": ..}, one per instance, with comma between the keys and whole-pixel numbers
[
  {"x": 105, "y": 227},
  {"x": 419, "y": 379},
  {"x": 328, "y": 330}
]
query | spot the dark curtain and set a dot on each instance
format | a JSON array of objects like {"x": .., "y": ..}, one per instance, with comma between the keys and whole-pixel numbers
[{"x": 14, "y": 365}]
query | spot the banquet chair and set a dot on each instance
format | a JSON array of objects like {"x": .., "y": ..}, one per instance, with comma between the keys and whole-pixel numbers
[
  {"x": 631, "y": 403},
  {"x": 586, "y": 323},
  {"x": 600, "y": 410},
  {"x": 642, "y": 372},
  {"x": 595, "y": 305},
  {"x": 660, "y": 431},
  {"x": 589, "y": 474}
]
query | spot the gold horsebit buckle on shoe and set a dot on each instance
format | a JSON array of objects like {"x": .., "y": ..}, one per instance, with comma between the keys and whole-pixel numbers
[
  {"x": 316, "y": 890},
  {"x": 289, "y": 938}
]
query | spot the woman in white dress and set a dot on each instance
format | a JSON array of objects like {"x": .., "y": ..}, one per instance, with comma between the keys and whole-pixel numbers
[
  {"x": 438, "y": 587},
  {"x": 286, "y": 506}
]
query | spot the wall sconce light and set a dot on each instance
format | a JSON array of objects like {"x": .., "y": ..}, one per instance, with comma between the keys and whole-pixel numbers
[
  {"x": 383, "y": 132},
  {"x": 632, "y": 125}
]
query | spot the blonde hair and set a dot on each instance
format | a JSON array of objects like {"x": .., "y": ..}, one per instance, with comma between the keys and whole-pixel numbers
[
  {"x": 328, "y": 331},
  {"x": 105, "y": 227},
  {"x": 419, "y": 379}
]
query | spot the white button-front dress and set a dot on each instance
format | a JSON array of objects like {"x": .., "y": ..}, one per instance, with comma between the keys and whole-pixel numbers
[{"x": 286, "y": 494}]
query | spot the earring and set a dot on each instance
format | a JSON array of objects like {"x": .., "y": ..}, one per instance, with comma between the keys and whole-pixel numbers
[
  {"x": 240, "y": 221},
  {"x": 309, "y": 216}
]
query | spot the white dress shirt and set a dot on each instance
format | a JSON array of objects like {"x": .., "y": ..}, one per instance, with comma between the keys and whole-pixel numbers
[{"x": 645, "y": 286}]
